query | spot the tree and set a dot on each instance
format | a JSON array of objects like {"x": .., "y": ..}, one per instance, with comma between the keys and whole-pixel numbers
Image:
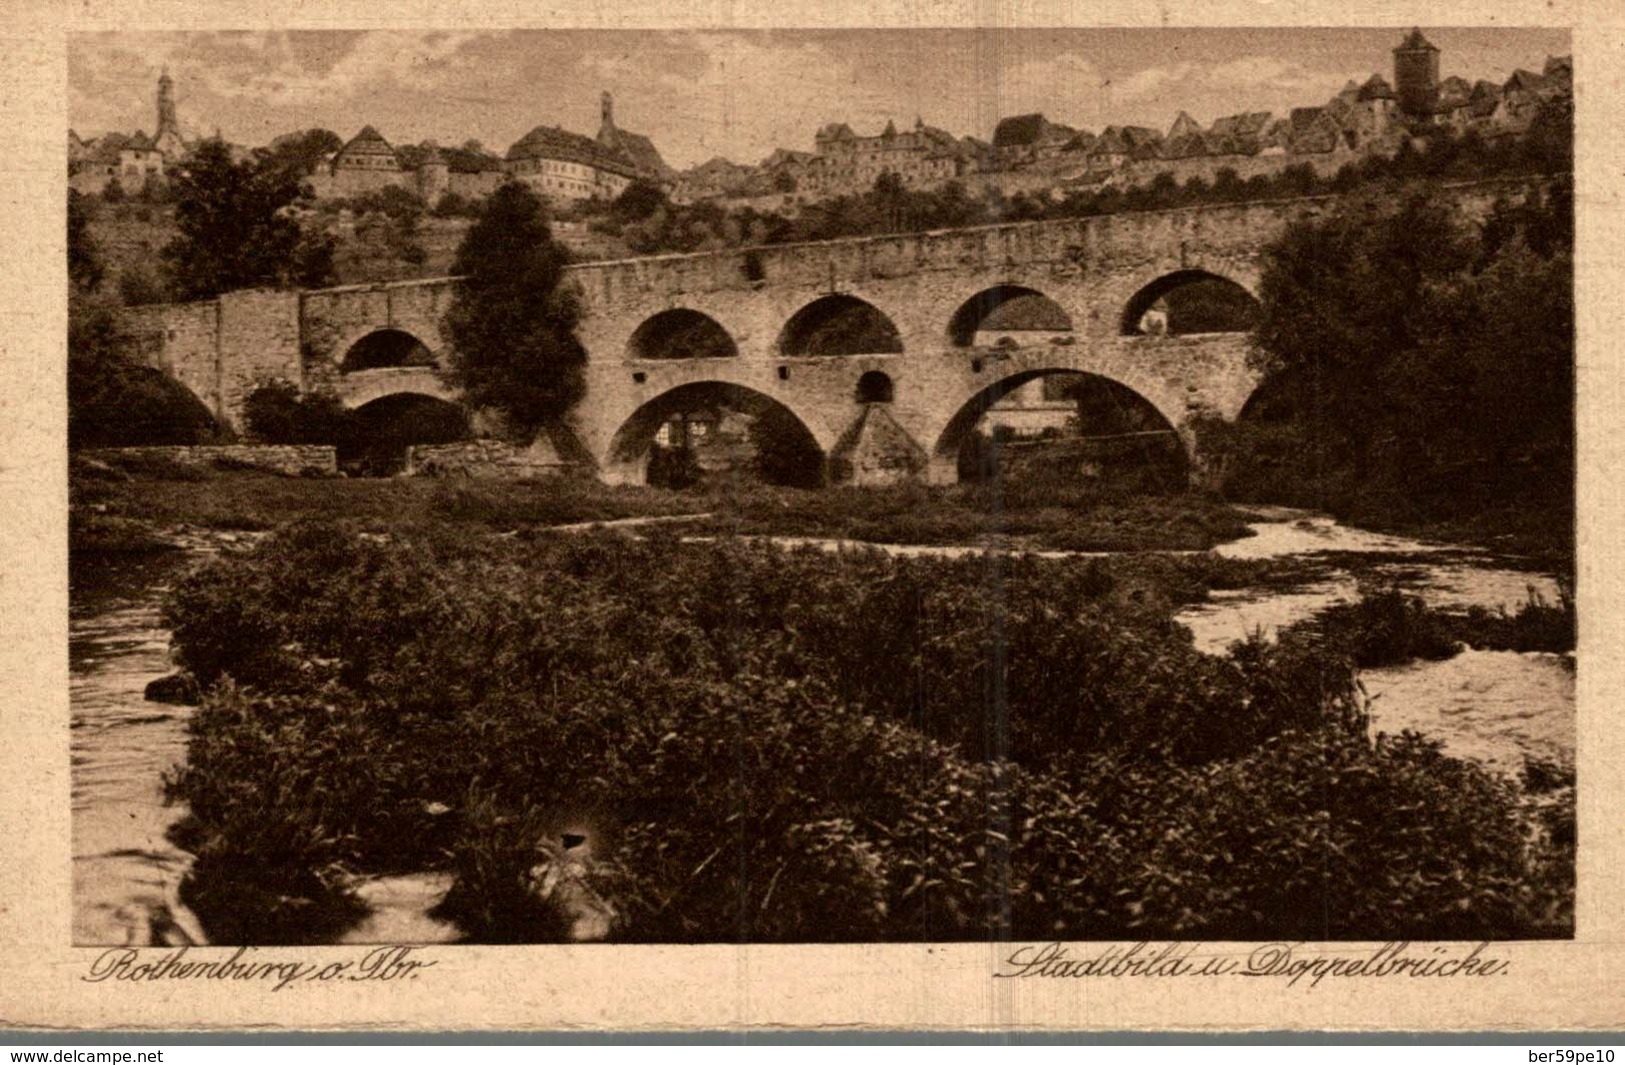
[
  {"x": 234, "y": 232},
  {"x": 786, "y": 452},
  {"x": 1415, "y": 365},
  {"x": 1340, "y": 300},
  {"x": 138, "y": 286},
  {"x": 512, "y": 322},
  {"x": 638, "y": 201},
  {"x": 84, "y": 262},
  {"x": 298, "y": 154}
]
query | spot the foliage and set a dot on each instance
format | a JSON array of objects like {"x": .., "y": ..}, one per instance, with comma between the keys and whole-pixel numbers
[
  {"x": 139, "y": 286},
  {"x": 511, "y": 323},
  {"x": 277, "y": 413},
  {"x": 296, "y": 155},
  {"x": 1385, "y": 627},
  {"x": 452, "y": 205},
  {"x": 114, "y": 401},
  {"x": 638, "y": 201},
  {"x": 1416, "y": 368},
  {"x": 84, "y": 260},
  {"x": 393, "y": 201},
  {"x": 800, "y": 746},
  {"x": 673, "y": 467},
  {"x": 890, "y": 207},
  {"x": 234, "y": 231},
  {"x": 1536, "y": 626},
  {"x": 785, "y": 452}
]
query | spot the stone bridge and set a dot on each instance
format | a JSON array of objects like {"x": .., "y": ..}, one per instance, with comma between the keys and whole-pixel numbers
[{"x": 942, "y": 368}]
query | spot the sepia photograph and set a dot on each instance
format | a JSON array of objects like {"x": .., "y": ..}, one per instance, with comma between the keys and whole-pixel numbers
[{"x": 821, "y": 486}]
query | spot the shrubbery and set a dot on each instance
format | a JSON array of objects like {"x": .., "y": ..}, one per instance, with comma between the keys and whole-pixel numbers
[{"x": 771, "y": 745}]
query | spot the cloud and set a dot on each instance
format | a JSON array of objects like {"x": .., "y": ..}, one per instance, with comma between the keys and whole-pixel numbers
[
  {"x": 1248, "y": 81},
  {"x": 1067, "y": 87},
  {"x": 734, "y": 94},
  {"x": 284, "y": 73}
]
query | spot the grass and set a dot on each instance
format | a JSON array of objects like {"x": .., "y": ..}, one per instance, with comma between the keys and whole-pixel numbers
[
  {"x": 1387, "y": 626},
  {"x": 1074, "y": 518}
]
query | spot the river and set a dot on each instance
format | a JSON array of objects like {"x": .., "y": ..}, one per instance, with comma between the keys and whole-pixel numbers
[{"x": 1493, "y": 707}]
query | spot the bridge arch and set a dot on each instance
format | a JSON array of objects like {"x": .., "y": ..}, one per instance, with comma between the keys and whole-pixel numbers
[
  {"x": 1144, "y": 418},
  {"x": 382, "y": 429},
  {"x": 681, "y": 333},
  {"x": 839, "y": 324},
  {"x": 382, "y": 348},
  {"x": 1007, "y": 308},
  {"x": 358, "y": 388},
  {"x": 626, "y": 459},
  {"x": 1190, "y": 301}
]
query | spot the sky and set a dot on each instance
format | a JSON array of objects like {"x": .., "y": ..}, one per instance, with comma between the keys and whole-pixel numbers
[{"x": 737, "y": 94}]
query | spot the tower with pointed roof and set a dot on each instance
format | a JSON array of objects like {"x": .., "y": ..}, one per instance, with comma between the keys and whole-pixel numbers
[
  {"x": 606, "y": 119},
  {"x": 167, "y": 138},
  {"x": 1416, "y": 75}
]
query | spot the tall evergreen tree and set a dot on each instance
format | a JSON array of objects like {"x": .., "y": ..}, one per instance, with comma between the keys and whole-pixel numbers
[{"x": 512, "y": 322}]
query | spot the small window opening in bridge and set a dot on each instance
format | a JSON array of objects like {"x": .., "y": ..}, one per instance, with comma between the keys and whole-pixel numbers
[
  {"x": 1189, "y": 302},
  {"x": 1065, "y": 425},
  {"x": 386, "y": 347},
  {"x": 976, "y": 366},
  {"x": 875, "y": 387},
  {"x": 784, "y": 373},
  {"x": 1009, "y": 315},
  {"x": 840, "y": 325},
  {"x": 639, "y": 376},
  {"x": 681, "y": 333}
]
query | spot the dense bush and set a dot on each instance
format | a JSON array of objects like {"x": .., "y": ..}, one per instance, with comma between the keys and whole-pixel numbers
[
  {"x": 770, "y": 745},
  {"x": 278, "y": 413},
  {"x": 1416, "y": 367}
]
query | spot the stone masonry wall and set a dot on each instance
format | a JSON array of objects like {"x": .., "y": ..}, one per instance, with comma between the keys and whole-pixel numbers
[
  {"x": 259, "y": 337},
  {"x": 182, "y": 340},
  {"x": 290, "y": 459},
  {"x": 482, "y": 458}
]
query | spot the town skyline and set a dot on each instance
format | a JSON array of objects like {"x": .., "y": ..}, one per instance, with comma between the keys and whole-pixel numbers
[{"x": 738, "y": 94}]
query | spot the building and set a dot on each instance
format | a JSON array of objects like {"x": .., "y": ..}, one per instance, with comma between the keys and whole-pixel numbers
[
  {"x": 130, "y": 159},
  {"x": 844, "y": 163},
  {"x": 636, "y": 148},
  {"x": 564, "y": 166},
  {"x": 1416, "y": 76},
  {"x": 1023, "y": 140}
]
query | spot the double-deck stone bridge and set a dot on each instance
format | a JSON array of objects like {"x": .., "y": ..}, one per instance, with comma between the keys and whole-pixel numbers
[{"x": 772, "y": 316}]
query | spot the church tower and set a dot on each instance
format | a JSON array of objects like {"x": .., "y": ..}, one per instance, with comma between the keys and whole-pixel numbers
[
  {"x": 1416, "y": 75},
  {"x": 166, "y": 103},
  {"x": 167, "y": 139},
  {"x": 606, "y": 119}
]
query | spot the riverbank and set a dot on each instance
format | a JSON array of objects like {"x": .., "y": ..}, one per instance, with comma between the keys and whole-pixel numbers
[{"x": 136, "y": 508}]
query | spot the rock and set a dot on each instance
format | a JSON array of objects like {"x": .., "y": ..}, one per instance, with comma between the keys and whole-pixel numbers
[
  {"x": 562, "y": 880},
  {"x": 178, "y": 689}
]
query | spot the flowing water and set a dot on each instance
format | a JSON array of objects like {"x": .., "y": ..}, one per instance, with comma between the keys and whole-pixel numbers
[
  {"x": 1492, "y": 706},
  {"x": 125, "y": 869}
]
